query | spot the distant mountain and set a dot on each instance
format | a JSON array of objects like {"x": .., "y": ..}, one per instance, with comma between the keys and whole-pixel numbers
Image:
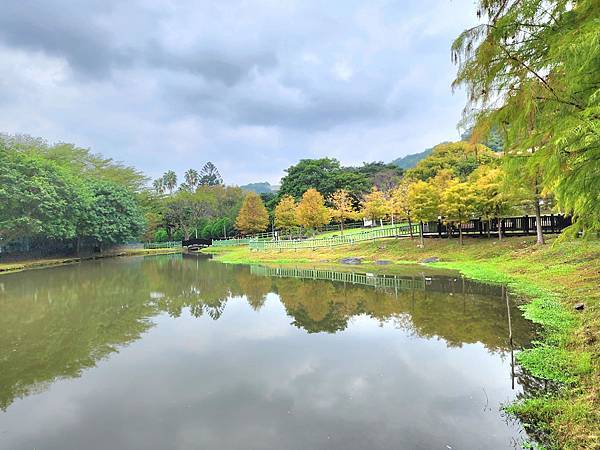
[
  {"x": 408, "y": 161},
  {"x": 259, "y": 188}
]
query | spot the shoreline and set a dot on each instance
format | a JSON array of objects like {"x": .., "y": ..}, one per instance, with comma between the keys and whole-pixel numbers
[
  {"x": 551, "y": 279},
  {"x": 43, "y": 263}
]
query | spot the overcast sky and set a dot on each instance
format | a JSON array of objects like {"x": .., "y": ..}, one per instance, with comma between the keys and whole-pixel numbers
[{"x": 251, "y": 85}]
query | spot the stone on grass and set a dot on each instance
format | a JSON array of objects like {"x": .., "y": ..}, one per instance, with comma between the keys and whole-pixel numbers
[
  {"x": 431, "y": 259},
  {"x": 579, "y": 306},
  {"x": 382, "y": 262},
  {"x": 351, "y": 260}
]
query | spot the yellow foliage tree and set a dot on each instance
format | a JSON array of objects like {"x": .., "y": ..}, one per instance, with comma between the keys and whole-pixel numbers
[
  {"x": 311, "y": 211},
  {"x": 253, "y": 216},
  {"x": 458, "y": 203},
  {"x": 493, "y": 197},
  {"x": 424, "y": 202},
  {"x": 375, "y": 205},
  {"x": 400, "y": 204},
  {"x": 342, "y": 207},
  {"x": 285, "y": 213}
]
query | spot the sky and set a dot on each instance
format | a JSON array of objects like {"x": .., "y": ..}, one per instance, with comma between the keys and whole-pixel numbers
[{"x": 252, "y": 86}]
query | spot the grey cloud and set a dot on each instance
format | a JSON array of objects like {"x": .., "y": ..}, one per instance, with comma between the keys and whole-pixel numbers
[
  {"x": 128, "y": 78},
  {"x": 61, "y": 29}
]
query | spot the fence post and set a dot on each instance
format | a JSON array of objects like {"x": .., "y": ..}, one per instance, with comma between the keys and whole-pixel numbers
[{"x": 552, "y": 223}]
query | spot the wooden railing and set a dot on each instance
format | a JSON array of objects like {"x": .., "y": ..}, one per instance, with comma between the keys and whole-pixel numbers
[{"x": 520, "y": 225}]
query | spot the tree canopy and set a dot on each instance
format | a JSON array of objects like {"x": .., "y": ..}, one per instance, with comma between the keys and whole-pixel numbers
[
  {"x": 311, "y": 211},
  {"x": 253, "y": 216},
  {"x": 325, "y": 175},
  {"x": 531, "y": 71},
  {"x": 65, "y": 193},
  {"x": 462, "y": 158},
  {"x": 285, "y": 213}
]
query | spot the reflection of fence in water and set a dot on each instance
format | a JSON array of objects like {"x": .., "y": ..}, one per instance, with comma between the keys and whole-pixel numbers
[
  {"x": 365, "y": 279},
  {"x": 451, "y": 285}
]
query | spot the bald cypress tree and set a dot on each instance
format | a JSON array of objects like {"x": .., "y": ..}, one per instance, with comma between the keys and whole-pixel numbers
[
  {"x": 531, "y": 71},
  {"x": 253, "y": 216}
]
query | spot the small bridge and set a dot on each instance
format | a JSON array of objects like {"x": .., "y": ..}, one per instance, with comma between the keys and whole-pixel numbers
[{"x": 196, "y": 244}]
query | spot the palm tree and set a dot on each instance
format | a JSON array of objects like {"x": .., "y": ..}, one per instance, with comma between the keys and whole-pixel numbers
[
  {"x": 192, "y": 178},
  {"x": 170, "y": 180},
  {"x": 159, "y": 185}
]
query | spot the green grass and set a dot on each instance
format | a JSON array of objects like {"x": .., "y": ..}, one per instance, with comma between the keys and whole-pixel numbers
[{"x": 552, "y": 278}]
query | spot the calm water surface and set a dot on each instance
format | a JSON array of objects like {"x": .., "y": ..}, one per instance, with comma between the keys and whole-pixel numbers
[{"x": 180, "y": 352}]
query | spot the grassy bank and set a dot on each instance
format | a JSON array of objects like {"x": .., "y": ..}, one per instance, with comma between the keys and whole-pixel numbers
[
  {"x": 16, "y": 266},
  {"x": 553, "y": 278}
]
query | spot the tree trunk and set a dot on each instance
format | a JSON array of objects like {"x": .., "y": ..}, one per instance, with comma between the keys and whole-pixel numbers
[
  {"x": 538, "y": 221},
  {"x": 489, "y": 230},
  {"x": 460, "y": 237},
  {"x": 421, "y": 234},
  {"x": 342, "y": 227},
  {"x": 410, "y": 230},
  {"x": 499, "y": 228}
]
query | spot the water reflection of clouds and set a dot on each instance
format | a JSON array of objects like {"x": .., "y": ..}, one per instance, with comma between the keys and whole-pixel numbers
[{"x": 250, "y": 380}]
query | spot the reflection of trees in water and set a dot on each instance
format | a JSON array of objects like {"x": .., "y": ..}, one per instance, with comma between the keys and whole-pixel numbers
[
  {"x": 452, "y": 309},
  {"x": 56, "y": 323}
]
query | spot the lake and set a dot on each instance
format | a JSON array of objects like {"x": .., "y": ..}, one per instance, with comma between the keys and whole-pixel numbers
[{"x": 181, "y": 352}]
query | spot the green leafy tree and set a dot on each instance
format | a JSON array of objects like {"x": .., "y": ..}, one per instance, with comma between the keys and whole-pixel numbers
[
  {"x": 82, "y": 161},
  {"x": 37, "y": 198},
  {"x": 531, "y": 70},
  {"x": 325, "y": 175},
  {"x": 179, "y": 212},
  {"x": 112, "y": 214},
  {"x": 381, "y": 175}
]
